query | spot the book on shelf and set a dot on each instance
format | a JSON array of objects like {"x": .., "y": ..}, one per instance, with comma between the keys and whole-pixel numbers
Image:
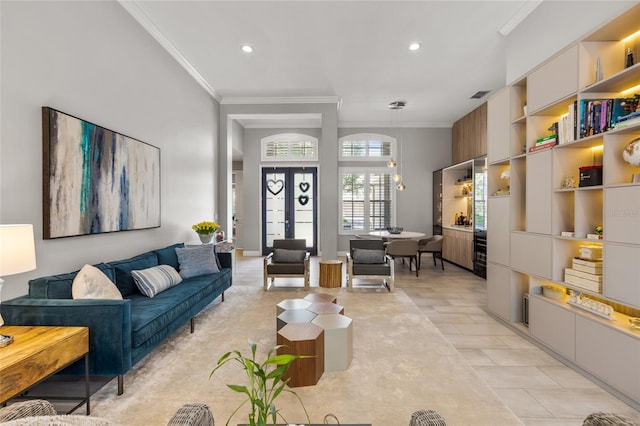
[
  {"x": 570, "y": 277},
  {"x": 627, "y": 123},
  {"x": 600, "y": 115},
  {"x": 594, "y": 237},
  {"x": 590, "y": 266},
  {"x": 545, "y": 139},
  {"x": 542, "y": 146}
]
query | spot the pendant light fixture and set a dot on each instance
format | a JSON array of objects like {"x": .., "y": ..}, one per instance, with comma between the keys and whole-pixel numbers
[{"x": 397, "y": 107}]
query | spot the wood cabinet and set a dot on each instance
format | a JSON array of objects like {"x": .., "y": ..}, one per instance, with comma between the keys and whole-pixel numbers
[
  {"x": 469, "y": 136},
  {"x": 457, "y": 246},
  {"x": 549, "y": 221}
]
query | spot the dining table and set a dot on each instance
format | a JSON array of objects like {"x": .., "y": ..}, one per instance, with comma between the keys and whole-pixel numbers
[{"x": 404, "y": 235}]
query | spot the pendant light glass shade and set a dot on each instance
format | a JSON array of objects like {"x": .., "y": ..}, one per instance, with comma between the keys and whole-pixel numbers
[
  {"x": 397, "y": 178},
  {"x": 391, "y": 163},
  {"x": 401, "y": 187}
]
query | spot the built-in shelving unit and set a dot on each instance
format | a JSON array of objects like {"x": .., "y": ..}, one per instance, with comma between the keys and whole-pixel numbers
[{"x": 551, "y": 220}]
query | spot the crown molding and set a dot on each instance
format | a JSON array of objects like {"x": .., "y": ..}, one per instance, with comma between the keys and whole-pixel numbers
[
  {"x": 257, "y": 100},
  {"x": 143, "y": 19},
  {"x": 405, "y": 125}
]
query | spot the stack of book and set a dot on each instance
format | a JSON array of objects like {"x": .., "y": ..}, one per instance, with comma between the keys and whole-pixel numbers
[
  {"x": 585, "y": 274},
  {"x": 599, "y": 115},
  {"x": 628, "y": 120},
  {"x": 545, "y": 142}
]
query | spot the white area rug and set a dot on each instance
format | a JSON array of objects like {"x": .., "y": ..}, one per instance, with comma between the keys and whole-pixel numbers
[{"x": 401, "y": 363}]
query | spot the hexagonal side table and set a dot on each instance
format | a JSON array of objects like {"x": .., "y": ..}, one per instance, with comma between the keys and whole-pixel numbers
[
  {"x": 321, "y": 297},
  {"x": 294, "y": 316},
  {"x": 326, "y": 308},
  {"x": 338, "y": 340},
  {"x": 303, "y": 339},
  {"x": 291, "y": 304}
]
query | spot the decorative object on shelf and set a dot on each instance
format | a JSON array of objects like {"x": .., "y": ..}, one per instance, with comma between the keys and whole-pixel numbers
[
  {"x": 206, "y": 230},
  {"x": 599, "y": 69},
  {"x": 17, "y": 255},
  {"x": 568, "y": 182},
  {"x": 265, "y": 383},
  {"x": 635, "y": 323},
  {"x": 590, "y": 305},
  {"x": 631, "y": 153},
  {"x": 553, "y": 292},
  {"x": 590, "y": 176},
  {"x": 598, "y": 230},
  {"x": 219, "y": 236},
  {"x": 397, "y": 107},
  {"x": 567, "y": 234},
  {"x": 629, "y": 61}
]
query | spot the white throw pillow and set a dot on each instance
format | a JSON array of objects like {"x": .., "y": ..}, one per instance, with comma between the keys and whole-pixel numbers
[
  {"x": 92, "y": 283},
  {"x": 157, "y": 279}
]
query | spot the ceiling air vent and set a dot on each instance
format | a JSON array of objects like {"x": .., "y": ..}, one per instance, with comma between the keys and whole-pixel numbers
[{"x": 480, "y": 94}]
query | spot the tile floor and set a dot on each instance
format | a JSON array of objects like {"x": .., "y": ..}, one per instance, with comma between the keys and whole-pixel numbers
[{"x": 538, "y": 388}]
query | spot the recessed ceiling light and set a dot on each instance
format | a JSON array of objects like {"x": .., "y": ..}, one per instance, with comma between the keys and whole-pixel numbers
[
  {"x": 414, "y": 46},
  {"x": 247, "y": 48}
]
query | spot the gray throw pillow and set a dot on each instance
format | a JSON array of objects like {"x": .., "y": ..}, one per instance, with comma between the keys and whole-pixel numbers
[
  {"x": 368, "y": 256},
  {"x": 195, "y": 261},
  {"x": 157, "y": 279},
  {"x": 288, "y": 256}
]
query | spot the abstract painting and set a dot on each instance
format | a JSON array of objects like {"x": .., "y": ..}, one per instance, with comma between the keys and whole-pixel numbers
[{"x": 96, "y": 180}]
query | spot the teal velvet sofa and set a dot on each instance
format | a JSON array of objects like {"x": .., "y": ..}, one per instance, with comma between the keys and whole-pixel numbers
[{"x": 121, "y": 332}]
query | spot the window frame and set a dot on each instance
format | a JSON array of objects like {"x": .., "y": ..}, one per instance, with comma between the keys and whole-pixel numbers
[
  {"x": 289, "y": 138},
  {"x": 366, "y": 137},
  {"x": 367, "y": 171}
]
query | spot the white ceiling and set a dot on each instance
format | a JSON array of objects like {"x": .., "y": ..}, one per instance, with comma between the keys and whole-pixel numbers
[{"x": 352, "y": 51}]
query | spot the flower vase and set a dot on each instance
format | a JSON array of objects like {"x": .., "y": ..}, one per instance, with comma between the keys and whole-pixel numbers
[{"x": 205, "y": 238}]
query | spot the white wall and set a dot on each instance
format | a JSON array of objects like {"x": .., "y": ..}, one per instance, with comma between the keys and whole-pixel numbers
[
  {"x": 551, "y": 27},
  {"x": 92, "y": 60}
]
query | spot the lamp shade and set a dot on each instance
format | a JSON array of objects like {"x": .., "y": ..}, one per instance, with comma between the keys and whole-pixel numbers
[{"x": 17, "y": 249}]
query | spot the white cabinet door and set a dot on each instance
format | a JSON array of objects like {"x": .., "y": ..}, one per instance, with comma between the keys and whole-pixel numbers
[
  {"x": 622, "y": 215},
  {"x": 498, "y": 125},
  {"x": 553, "y": 325},
  {"x": 531, "y": 253},
  {"x": 554, "y": 80},
  {"x": 622, "y": 273},
  {"x": 609, "y": 354},
  {"x": 539, "y": 192},
  {"x": 498, "y": 295},
  {"x": 498, "y": 230}
]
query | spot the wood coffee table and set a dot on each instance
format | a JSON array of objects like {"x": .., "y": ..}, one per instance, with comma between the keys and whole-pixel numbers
[{"x": 38, "y": 352}]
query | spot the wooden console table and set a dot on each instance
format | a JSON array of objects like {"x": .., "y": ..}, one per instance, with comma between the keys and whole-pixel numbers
[{"x": 38, "y": 352}]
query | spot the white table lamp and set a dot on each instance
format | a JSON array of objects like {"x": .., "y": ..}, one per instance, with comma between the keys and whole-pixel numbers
[{"x": 17, "y": 254}]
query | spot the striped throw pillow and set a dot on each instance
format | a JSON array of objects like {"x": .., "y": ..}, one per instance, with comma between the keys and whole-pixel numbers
[{"x": 157, "y": 279}]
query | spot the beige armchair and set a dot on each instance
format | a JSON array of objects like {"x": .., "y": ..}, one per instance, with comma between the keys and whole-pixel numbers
[
  {"x": 431, "y": 245},
  {"x": 404, "y": 249},
  {"x": 289, "y": 258},
  {"x": 367, "y": 259}
]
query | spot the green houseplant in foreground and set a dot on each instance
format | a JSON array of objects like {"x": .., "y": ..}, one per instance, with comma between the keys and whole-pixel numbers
[{"x": 265, "y": 383}]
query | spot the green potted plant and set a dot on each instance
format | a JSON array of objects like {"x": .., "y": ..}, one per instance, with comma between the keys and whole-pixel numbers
[{"x": 265, "y": 383}]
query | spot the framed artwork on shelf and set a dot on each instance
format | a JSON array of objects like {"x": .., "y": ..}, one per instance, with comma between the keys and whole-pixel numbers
[{"x": 96, "y": 180}]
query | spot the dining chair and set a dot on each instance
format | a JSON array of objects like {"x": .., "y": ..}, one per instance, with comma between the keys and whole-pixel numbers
[
  {"x": 404, "y": 249},
  {"x": 431, "y": 245}
]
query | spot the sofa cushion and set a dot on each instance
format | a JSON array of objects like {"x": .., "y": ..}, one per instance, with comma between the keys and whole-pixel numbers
[
  {"x": 156, "y": 279},
  {"x": 368, "y": 256},
  {"x": 59, "y": 286},
  {"x": 168, "y": 256},
  {"x": 91, "y": 283},
  {"x": 288, "y": 256},
  {"x": 196, "y": 261},
  {"x": 124, "y": 280}
]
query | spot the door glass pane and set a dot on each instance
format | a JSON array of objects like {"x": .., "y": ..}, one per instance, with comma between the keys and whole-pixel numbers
[
  {"x": 353, "y": 201},
  {"x": 275, "y": 203},
  {"x": 303, "y": 207}
]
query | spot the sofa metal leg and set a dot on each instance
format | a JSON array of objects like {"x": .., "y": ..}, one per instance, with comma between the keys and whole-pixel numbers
[
  {"x": 193, "y": 325},
  {"x": 120, "y": 384},
  {"x": 223, "y": 296}
]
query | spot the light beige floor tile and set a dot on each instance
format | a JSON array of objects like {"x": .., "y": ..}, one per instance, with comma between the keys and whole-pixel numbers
[
  {"x": 516, "y": 377},
  {"x": 476, "y": 357},
  {"x": 579, "y": 403},
  {"x": 522, "y": 403},
  {"x": 475, "y": 342},
  {"x": 521, "y": 357},
  {"x": 551, "y": 422},
  {"x": 517, "y": 342},
  {"x": 449, "y": 318},
  {"x": 469, "y": 310},
  {"x": 568, "y": 378},
  {"x": 486, "y": 329}
]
